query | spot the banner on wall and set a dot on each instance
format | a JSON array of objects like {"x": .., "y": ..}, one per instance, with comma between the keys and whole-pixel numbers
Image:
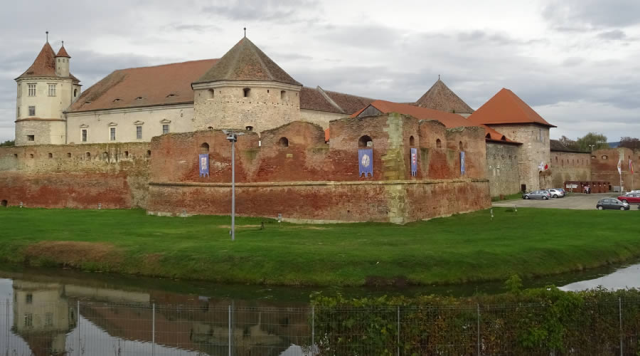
[
  {"x": 463, "y": 168},
  {"x": 365, "y": 161},
  {"x": 414, "y": 162},
  {"x": 204, "y": 165}
]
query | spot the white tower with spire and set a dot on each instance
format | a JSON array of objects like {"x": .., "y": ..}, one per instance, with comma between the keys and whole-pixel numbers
[{"x": 45, "y": 90}]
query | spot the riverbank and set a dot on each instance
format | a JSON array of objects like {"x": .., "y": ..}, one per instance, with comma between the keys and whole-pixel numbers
[{"x": 457, "y": 249}]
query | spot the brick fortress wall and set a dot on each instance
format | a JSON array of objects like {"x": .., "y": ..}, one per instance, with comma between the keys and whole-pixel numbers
[
  {"x": 569, "y": 167},
  {"x": 310, "y": 180},
  {"x": 75, "y": 176},
  {"x": 604, "y": 167}
]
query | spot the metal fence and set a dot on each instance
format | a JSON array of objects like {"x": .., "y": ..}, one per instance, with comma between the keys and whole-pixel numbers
[{"x": 73, "y": 327}]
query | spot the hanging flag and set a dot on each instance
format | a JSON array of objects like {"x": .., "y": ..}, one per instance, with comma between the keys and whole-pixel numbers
[
  {"x": 414, "y": 162},
  {"x": 543, "y": 167},
  {"x": 365, "y": 160},
  {"x": 620, "y": 166},
  {"x": 463, "y": 167},
  {"x": 204, "y": 165},
  {"x": 630, "y": 166}
]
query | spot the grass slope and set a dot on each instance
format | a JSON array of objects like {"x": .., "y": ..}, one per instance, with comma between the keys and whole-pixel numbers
[{"x": 460, "y": 248}]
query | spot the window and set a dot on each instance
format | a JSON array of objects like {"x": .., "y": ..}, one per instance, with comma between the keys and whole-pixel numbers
[
  {"x": 204, "y": 148},
  {"x": 84, "y": 135},
  {"x": 438, "y": 143},
  {"x": 412, "y": 141},
  {"x": 283, "y": 142},
  {"x": 139, "y": 132},
  {"x": 461, "y": 146},
  {"x": 48, "y": 319},
  {"x": 88, "y": 154},
  {"x": 112, "y": 133},
  {"x": 52, "y": 89},
  {"x": 19, "y": 90},
  {"x": 126, "y": 154},
  {"x": 283, "y": 95},
  {"x": 165, "y": 129},
  {"x": 605, "y": 157},
  {"x": 75, "y": 93},
  {"x": 365, "y": 141},
  {"x": 32, "y": 89},
  {"x": 211, "y": 93},
  {"x": 246, "y": 92},
  {"x": 29, "y": 298},
  {"x": 32, "y": 111},
  {"x": 249, "y": 128},
  {"x": 28, "y": 320},
  {"x": 31, "y": 137},
  {"x": 50, "y": 155},
  {"x": 18, "y": 115},
  {"x": 69, "y": 155}
]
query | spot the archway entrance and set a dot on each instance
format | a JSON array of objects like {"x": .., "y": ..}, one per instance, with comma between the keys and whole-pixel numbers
[{"x": 4, "y": 203}]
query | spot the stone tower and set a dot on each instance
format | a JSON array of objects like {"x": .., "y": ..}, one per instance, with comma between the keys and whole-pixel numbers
[
  {"x": 45, "y": 90},
  {"x": 245, "y": 90}
]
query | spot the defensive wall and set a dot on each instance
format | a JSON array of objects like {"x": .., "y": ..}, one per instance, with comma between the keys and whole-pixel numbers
[
  {"x": 289, "y": 170},
  {"x": 502, "y": 168},
  {"x": 75, "y": 176},
  {"x": 604, "y": 167},
  {"x": 568, "y": 167}
]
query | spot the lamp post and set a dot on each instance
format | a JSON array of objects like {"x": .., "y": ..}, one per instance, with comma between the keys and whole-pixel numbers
[
  {"x": 592, "y": 146},
  {"x": 233, "y": 138}
]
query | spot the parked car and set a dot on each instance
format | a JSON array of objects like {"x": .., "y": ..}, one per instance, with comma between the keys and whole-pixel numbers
[
  {"x": 633, "y": 198},
  {"x": 612, "y": 203},
  {"x": 557, "y": 192},
  {"x": 538, "y": 194}
]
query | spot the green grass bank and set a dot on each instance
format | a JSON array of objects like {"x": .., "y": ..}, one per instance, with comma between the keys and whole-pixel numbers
[{"x": 461, "y": 248}]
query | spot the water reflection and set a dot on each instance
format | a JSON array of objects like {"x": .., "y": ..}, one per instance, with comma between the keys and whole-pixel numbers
[
  {"x": 61, "y": 319},
  {"x": 628, "y": 277}
]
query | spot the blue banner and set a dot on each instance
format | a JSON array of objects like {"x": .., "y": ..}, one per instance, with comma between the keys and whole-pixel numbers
[
  {"x": 204, "y": 165},
  {"x": 365, "y": 160},
  {"x": 462, "y": 164},
  {"x": 414, "y": 162}
]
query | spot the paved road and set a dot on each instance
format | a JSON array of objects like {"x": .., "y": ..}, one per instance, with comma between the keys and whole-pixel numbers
[{"x": 577, "y": 202}]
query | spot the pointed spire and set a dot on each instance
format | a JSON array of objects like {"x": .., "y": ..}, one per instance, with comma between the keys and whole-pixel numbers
[
  {"x": 44, "y": 65},
  {"x": 245, "y": 61},
  {"x": 47, "y": 34},
  {"x": 245, "y": 32},
  {"x": 440, "y": 97},
  {"x": 63, "y": 52}
]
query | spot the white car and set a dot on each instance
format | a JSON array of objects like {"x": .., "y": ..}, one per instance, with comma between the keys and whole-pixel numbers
[{"x": 556, "y": 193}]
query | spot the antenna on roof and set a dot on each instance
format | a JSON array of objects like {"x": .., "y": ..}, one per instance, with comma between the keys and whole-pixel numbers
[
  {"x": 245, "y": 32},
  {"x": 47, "y": 32},
  {"x": 62, "y": 43},
  {"x": 438, "y": 76}
]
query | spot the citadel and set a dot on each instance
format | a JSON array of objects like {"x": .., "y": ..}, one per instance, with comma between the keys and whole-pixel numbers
[{"x": 133, "y": 140}]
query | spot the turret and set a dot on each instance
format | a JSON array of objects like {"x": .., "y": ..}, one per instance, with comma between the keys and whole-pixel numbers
[{"x": 62, "y": 62}]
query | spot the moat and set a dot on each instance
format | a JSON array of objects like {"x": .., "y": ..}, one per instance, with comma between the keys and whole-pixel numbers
[{"x": 102, "y": 314}]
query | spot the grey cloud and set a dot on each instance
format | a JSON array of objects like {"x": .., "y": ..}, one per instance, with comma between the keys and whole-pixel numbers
[
  {"x": 193, "y": 28},
  {"x": 592, "y": 14},
  {"x": 612, "y": 35},
  {"x": 261, "y": 10}
]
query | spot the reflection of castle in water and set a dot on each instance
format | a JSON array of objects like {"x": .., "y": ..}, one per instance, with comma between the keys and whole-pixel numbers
[{"x": 44, "y": 313}]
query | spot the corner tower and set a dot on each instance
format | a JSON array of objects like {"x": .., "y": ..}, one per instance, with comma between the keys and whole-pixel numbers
[
  {"x": 45, "y": 90},
  {"x": 245, "y": 90}
]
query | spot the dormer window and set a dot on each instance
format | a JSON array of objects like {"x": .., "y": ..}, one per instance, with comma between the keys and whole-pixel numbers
[
  {"x": 116, "y": 100},
  {"x": 139, "y": 98},
  {"x": 171, "y": 95}
]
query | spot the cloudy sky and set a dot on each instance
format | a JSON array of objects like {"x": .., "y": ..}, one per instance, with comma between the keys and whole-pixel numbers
[{"x": 576, "y": 62}]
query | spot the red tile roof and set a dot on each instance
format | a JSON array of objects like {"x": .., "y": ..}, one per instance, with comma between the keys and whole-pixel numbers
[
  {"x": 313, "y": 99},
  {"x": 440, "y": 97},
  {"x": 447, "y": 119},
  {"x": 63, "y": 52},
  {"x": 507, "y": 108},
  {"x": 44, "y": 65},
  {"x": 245, "y": 61},
  {"x": 146, "y": 86}
]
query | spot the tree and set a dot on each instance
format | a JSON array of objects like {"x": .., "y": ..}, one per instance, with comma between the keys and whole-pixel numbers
[
  {"x": 569, "y": 143},
  {"x": 8, "y": 144},
  {"x": 630, "y": 142},
  {"x": 598, "y": 141}
]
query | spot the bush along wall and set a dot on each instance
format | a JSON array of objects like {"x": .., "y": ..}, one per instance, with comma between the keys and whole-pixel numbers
[{"x": 534, "y": 322}]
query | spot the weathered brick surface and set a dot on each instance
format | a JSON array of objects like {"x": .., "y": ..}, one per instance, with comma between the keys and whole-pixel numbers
[
  {"x": 569, "y": 166},
  {"x": 604, "y": 166},
  {"x": 502, "y": 168}
]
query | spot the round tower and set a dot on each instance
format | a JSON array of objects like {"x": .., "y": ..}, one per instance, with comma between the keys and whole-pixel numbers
[
  {"x": 245, "y": 90},
  {"x": 45, "y": 90}
]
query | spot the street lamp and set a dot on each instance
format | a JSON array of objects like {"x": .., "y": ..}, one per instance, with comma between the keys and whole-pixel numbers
[
  {"x": 233, "y": 138},
  {"x": 592, "y": 146}
]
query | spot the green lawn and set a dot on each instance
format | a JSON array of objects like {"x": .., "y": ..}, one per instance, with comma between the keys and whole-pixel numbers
[{"x": 461, "y": 248}]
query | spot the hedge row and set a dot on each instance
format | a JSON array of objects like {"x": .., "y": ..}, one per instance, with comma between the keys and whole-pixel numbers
[{"x": 533, "y": 322}]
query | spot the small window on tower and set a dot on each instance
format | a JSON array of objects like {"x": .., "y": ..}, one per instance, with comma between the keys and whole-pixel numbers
[
  {"x": 139, "y": 132},
  {"x": 31, "y": 137},
  {"x": 32, "y": 111},
  {"x": 75, "y": 93},
  {"x": 165, "y": 129},
  {"x": 84, "y": 135},
  {"x": 32, "y": 89},
  {"x": 246, "y": 92},
  {"x": 112, "y": 132},
  {"x": 283, "y": 95},
  {"x": 52, "y": 89}
]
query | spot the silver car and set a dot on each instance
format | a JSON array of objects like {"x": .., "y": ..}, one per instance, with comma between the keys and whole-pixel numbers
[
  {"x": 557, "y": 193},
  {"x": 538, "y": 194}
]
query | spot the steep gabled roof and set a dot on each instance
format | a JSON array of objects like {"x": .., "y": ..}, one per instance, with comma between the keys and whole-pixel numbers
[
  {"x": 146, "y": 86},
  {"x": 440, "y": 97},
  {"x": 246, "y": 62},
  {"x": 44, "y": 65},
  {"x": 507, "y": 108},
  {"x": 557, "y": 146},
  {"x": 447, "y": 119},
  {"x": 321, "y": 100},
  {"x": 63, "y": 52}
]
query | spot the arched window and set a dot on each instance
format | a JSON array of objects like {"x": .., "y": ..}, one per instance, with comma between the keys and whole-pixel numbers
[
  {"x": 412, "y": 141},
  {"x": 593, "y": 157},
  {"x": 365, "y": 141},
  {"x": 460, "y": 146},
  {"x": 50, "y": 155},
  {"x": 246, "y": 92},
  {"x": 204, "y": 148},
  {"x": 438, "y": 143},
  {"x": 88, "y": 154},
  {"x": 75, "y": 93},
  {"x": 4, "y": 203},
  {"x": 283, "y": 142}
]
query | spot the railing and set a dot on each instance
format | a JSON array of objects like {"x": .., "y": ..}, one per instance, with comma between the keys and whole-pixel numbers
[{"x": 72, "y": 327}]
